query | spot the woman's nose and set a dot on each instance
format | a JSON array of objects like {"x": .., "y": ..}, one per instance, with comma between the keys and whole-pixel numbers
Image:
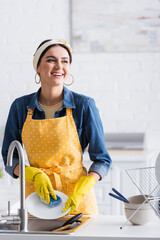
[{"x": 58, "y": 65}]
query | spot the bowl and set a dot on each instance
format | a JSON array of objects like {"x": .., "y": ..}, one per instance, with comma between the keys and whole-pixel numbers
[{"x": 143, "y": 215}]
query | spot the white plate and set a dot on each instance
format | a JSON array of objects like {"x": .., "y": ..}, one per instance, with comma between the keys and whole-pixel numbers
[
  {"x": 157, "y": 168},
  {"x": 41, "y": 210}
]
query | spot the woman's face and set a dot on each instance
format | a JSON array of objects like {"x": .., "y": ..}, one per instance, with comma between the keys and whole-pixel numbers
[{"x": 54, "y": 66}]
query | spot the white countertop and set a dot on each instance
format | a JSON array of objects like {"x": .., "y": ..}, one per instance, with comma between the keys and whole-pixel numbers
[
  {"x": 109, "y": 227},
  {"x": 101, "y": 227}
]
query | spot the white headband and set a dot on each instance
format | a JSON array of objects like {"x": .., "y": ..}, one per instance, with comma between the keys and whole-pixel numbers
[{"x": 44, "y": 46}]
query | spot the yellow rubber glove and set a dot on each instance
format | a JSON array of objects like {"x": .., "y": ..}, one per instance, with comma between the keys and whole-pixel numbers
[
  {"x": 42, "y": 183},
  {"x": 83, "y": 186}
]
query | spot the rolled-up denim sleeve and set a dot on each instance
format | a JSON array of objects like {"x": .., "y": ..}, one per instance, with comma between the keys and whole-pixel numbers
[
  {"x": 95, "y": 137},
  {"x": 11, "y": 133}
]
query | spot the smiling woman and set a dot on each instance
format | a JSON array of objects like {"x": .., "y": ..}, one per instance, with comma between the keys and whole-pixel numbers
[
  {"x": 55, "y": 125},
  {"x": 52, "y": 63},
  {"x": 54, "y": 68}
]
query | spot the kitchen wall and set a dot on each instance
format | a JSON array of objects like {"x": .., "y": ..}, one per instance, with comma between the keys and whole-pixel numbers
[{"x": 125, "y": 86}]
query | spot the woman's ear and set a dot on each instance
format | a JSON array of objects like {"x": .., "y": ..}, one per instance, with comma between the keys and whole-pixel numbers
[{"x": 38, "y": 71}]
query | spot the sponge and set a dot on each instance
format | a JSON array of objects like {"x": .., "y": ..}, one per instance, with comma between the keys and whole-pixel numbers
[{"x": 55, "y": 203}]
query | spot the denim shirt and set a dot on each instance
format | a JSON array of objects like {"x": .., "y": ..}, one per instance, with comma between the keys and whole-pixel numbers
[{"x": 87, "y": 121}]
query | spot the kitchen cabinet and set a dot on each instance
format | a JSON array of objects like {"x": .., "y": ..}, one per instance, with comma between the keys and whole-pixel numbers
[{"x": 118, "y": 178}]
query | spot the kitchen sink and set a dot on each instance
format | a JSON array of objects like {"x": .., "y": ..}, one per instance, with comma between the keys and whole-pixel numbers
[{"x": 36, "y": 225}]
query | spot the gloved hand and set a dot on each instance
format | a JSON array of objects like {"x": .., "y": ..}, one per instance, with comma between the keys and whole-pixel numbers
[
  {"x": 42, "y": 183},
  {"x": 83, "y": 186}
]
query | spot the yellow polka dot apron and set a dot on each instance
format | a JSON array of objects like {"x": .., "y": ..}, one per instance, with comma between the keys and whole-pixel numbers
[{"x": 53, "y": 146}]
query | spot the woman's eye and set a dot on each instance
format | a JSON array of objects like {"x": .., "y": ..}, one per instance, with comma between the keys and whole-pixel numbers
[
  {"x": 54, "y": 60},
  {"x": 51, "y": 60}
]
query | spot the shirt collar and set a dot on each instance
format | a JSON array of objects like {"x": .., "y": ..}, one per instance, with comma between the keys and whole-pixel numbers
[{"x": 68, "y": 100}]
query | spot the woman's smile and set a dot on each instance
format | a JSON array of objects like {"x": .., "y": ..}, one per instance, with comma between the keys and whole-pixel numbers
[{"x": 57, "y": 74}]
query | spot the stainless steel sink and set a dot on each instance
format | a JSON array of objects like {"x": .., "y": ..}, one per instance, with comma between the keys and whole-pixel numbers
[
  {"x": 36, "y": 225},
  {"x": 44, "y": 225}
]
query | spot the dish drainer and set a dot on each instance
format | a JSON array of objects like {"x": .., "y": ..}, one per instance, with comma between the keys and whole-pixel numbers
[{"x": 148, "y": 183}]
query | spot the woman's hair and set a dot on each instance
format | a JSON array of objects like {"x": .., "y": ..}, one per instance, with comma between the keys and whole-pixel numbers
[{"x": 46, "y": 49}]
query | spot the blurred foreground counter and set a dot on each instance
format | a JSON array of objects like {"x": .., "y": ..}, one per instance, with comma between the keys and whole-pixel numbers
[{"x": 101, "y": 227}]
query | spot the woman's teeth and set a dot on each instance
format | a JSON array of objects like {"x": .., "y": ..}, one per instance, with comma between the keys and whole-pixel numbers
[{"x": 57, "y": 74}]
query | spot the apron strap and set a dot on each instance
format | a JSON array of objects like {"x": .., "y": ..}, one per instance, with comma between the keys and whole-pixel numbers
[
  {"x": 30, "y": 113},
  {"x": 69, "y": 111}
]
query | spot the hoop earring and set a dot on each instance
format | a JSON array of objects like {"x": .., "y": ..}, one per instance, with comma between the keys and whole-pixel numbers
[
  {"x": 35, "y": 77},
  {"x": 69, "y": 84}
]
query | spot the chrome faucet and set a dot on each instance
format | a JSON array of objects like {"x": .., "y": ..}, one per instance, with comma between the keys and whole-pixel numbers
[{"x": 22, "y": 212}]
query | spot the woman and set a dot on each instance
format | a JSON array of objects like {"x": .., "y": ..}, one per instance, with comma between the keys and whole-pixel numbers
[{"x": 55, "y": 126}]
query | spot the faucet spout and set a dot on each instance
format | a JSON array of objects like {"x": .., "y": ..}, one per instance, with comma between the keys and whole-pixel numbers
[{"x": 23, "y": 213}]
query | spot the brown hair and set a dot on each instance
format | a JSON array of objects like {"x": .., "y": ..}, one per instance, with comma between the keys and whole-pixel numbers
[{"x": 46, "y": 49}]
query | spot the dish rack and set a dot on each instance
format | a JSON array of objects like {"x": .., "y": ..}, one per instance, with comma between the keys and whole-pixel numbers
[{"x": 148, "y": 183}]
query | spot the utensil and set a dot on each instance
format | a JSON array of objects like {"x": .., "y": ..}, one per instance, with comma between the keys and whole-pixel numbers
[
  {"x": 70, "y": 222},
  {"x": 119, "y": 196},
  {"x": 73, "y": 219},
  {"x": 40, "y": 210}
]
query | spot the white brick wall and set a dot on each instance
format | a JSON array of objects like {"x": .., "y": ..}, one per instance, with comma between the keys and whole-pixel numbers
[
  {"x": 125, "y": 86},
  {"x": 23, "y": 26}
]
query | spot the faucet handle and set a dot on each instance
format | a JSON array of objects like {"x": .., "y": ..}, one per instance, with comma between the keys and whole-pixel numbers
[
  {"x": 8, "y": 213},
  {"x": 9, "y": 208}
]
